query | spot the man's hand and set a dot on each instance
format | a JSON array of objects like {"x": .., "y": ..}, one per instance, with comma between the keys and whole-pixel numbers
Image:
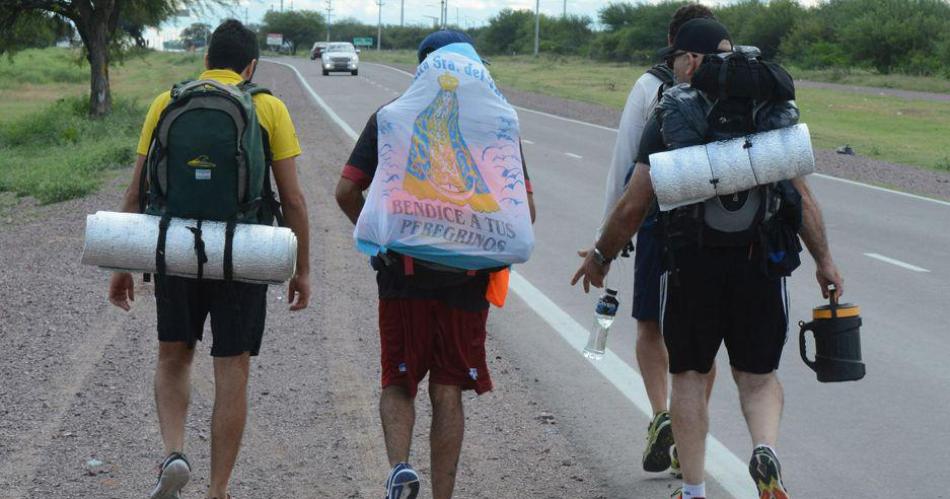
[
  {"x": 592, "y": 272},
  {"x": 299, "y": 288},
  {"x": 121, "y": 290},
  {"x": 827, "y": 274}
]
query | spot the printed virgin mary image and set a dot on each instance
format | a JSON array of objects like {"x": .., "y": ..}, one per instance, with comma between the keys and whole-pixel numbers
[{"x": 440, "y": 165}]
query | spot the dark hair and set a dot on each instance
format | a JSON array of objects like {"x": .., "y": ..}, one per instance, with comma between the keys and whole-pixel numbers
[
  {"x": 686, "y": 13},
  {"x": 232, "y": 46}
]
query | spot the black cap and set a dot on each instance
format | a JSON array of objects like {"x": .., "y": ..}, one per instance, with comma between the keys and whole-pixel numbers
[{"x": 699, "y": 36}]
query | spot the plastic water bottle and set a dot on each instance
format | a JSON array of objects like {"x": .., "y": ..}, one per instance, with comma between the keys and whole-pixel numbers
[{"x": 604, "y": 315}]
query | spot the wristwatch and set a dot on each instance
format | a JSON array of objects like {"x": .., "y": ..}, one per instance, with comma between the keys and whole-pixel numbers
[{"x": 600, "y": 258}]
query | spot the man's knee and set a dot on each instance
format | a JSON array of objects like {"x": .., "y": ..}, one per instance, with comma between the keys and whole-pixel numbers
[
  {"x": 232, "y": 368},
  {"x": 691, "y": 381},
  {"x": 649, "y": 330},
  {"x": 747, "y": 381},
  {"x": 174, "y": 355},
  {"x": 445, "y": 397}
]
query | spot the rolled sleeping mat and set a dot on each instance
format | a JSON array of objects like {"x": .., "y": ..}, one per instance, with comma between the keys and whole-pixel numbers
[
  {"x": 126, "y": 242},
  {"x": 694, "y": 174}
]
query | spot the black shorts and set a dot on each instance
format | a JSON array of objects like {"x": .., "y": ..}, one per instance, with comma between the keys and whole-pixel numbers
[
  {"x": 648, "y": 266},
  {"x": 237, "y": 313},
  {"x": 718, "y": 295}
]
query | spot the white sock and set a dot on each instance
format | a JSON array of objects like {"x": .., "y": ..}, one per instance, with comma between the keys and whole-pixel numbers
[
  {"x": 767, "y": 446},
  {"x": 693, "y": 491}
]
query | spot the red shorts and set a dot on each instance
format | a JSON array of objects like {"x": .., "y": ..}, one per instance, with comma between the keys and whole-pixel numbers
[{"x": 420, "y": 336}]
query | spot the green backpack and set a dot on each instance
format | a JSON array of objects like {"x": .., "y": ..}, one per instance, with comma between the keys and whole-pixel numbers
[{"x": 209, "y": 159}]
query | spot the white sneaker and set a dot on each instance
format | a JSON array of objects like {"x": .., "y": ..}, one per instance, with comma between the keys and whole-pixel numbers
[{"x": 173, "y": 476}]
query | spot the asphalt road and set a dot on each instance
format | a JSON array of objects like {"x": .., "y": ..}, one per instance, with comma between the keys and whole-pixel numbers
[{"x": 885, "y": 436}]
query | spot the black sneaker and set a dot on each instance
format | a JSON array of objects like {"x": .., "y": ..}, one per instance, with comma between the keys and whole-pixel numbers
[
  {"x": 172, "y": 477},
  {"x": 766, "y": 472},
  {"x": 656, "y": 457}
]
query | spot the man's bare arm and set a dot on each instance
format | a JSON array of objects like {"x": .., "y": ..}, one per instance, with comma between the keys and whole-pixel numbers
[
  {"x": 294, "y": 206},
  {"x": 295, "y": 209},
  {"x": 625, "y": 220},
  {"x": 130, "y": 202},
  {"x": 628, "y": 215},
  {"x": 349, "y": 196},
  {"x": 816, "y": 239}
]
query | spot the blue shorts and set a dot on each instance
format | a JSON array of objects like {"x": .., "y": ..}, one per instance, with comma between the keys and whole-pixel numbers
[{"x": 647, "y": 267}]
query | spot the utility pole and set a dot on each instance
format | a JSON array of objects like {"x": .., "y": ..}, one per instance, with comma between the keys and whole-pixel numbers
[
  {"x": 565, "y": 10},
  {"x": 281, "y": 5},
  {"x": 402, "y": 13},
  {"x": 379, "y": 27},
  {"x": 537, "y": 27},
  {"x": 329, "y": 12},
  {"x": 443, "y": 14}
]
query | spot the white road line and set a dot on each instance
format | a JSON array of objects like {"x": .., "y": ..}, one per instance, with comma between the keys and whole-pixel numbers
[
  {"x": 724, "y": 466},
  {"x": 572, "y": 155},
  {"x": 829, "y": 177},
  {"x": 893, "y": 261},
  {"x": 526, "y": 141},
  {"x": 721, "y": 464},
  {"x": 320, "y": 102}
]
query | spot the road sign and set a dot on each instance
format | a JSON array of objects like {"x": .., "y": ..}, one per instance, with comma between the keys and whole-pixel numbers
[
  {"x": 363, "y": 41},
  {"x": 275, "y": 39}
]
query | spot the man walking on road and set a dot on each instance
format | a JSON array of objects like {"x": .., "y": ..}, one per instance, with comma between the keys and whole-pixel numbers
[
  {"x": 237, "y": 309},
  {"x": 651, "y": 353},
  {"x": 432, "y": 320},
  {"x": 716, "y": 292}
]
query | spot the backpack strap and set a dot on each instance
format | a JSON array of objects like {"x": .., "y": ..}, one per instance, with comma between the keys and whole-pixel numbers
[
  {"x": 160, "y": 246},
  {"x": 253, "y": 88},
  {"x": 408, "y": 265},
  {"x": 666, "y": 77},
  {"x": 268, "y": 196},
  {"x": 200, "y": 254},
  {"x": 229, "y": 249}
]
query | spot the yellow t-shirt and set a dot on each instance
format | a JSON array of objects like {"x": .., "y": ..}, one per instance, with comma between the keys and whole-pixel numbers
[{"x": 271, "y": 113}]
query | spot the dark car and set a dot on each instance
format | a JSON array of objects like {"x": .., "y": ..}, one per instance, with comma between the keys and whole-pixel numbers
[{"x": 317, "y": 50}]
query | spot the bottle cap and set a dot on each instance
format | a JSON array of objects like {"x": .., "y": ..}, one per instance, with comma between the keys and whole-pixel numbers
[{"x": 610, "y": 292}]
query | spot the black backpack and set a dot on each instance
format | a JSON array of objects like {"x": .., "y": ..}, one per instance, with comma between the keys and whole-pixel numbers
[
  {"x": 209, "y": 159},
  {"x": 737, "y": 86}
]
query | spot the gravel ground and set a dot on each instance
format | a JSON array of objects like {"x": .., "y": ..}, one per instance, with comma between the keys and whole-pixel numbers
[
  {"x": 906, "y": 178},
  {"x": 76, "y": 412}
]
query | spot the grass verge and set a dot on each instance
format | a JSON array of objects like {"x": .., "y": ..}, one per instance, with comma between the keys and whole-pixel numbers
[
  {"x": 49, "y": 147},
  {"x": 910, "y": 132}
]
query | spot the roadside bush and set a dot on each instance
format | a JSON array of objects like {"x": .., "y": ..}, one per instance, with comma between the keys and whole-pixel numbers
[
  {"x": 41, "y": 66},
  {"x": 59, "y": 153}
]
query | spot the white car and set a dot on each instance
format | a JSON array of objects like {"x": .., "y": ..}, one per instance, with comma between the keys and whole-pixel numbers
[{"x": 340, "y": 56}]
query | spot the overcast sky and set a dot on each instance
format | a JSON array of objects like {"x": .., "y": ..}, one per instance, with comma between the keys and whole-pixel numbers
[{"x": 469, "y": 13}]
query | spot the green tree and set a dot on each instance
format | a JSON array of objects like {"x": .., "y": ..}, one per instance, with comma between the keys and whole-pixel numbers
[
  {"x": 509, "y": 31},
  {"x": 96, "y": 21},
  {"x": 195, "y": 36},
  {"x": 635, "y": 32},
  {"x": 299, "y": 27},
  {"x": 34, "y": 29}
]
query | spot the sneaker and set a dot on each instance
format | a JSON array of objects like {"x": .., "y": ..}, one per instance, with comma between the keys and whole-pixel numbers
[
  {"x": 403, "y": 482},
  {"x": 678, "y": 494},
  {"x": 675, "y": 463},
  {"x": 174, "y": 474},
  {"x": 766, "y": 471},
  {"x": 656, "y": 457}
]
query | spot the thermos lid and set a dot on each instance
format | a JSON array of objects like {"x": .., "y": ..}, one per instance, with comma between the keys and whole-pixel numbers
[
  {"x": 834, "y": 309},
  {"x": 841, "y": 311}
]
